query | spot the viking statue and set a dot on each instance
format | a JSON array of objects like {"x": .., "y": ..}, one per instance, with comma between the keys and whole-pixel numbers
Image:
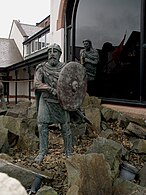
[
  {"x": 58, "y": 86},
  {"x": 89, "y": 57}
]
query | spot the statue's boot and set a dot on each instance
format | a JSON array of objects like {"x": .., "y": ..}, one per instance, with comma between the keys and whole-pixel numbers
[
  {"x": 67, "y": 137},
  {"x": 43, "y": 142}
]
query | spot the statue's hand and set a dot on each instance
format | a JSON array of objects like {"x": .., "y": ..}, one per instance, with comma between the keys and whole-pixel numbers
[
  {"x": 84, "y": 55},
  {"x": 54, "y": 92},
  {"x": 43, "y": 87},
  {"x": 86, "y": 60}
]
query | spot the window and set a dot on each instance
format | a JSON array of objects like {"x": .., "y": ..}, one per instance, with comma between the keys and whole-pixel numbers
[
  {"x": 32, "y": 46},
  {"x": 47, "y": 39},
  {"x": 37, "y": 44},
  {"x": 42, "y": 42},
  {"x": 106, "y": 22},
  {"x": 28, "y": 49}
]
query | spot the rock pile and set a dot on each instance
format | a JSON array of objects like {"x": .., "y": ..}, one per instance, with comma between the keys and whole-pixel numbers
[{"x": 100, "y": 151}]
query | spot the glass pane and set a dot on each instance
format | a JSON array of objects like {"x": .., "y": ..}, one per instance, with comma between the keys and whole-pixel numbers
[
  {"x": 47, "y": 39},
  {"x": 107, "y": 20},
  {"x": 42, "y": 40},
  {"x": 27, "y": 49},
  {"x": 36, "y": 44},
  {"x": 32, "y": 46},
  {"x": 107, "y": 23}
]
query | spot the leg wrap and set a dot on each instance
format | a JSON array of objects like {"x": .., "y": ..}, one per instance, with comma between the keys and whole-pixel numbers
[
  {"x": 43, "y": 141},
  {"x": 67, "y": 137}
]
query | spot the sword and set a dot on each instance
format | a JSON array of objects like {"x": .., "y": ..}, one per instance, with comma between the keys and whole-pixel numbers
[{"x": 84, "y": 117}]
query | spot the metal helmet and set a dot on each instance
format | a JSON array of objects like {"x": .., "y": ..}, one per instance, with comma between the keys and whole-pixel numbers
[{"x": 56, "y": 46}]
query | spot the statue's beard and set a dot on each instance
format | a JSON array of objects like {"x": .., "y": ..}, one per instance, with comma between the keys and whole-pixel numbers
[{"x": 53, "y": 61}]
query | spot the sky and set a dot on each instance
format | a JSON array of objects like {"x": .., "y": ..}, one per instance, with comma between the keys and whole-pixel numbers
[{"x": 28, "y": 12}]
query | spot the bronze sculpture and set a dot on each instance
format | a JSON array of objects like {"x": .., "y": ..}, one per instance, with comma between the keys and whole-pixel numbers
[
  {"x": 50, "y": 110},
  {"x": 89, "y": 57}
]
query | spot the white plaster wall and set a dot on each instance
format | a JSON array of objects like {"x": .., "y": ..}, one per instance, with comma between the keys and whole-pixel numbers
[
  {"x": 22, "y": 86},
  {"x": 12, "y": 84},
  {"x": 56, "y": 36},
  {"x": 17, "y": 36}
]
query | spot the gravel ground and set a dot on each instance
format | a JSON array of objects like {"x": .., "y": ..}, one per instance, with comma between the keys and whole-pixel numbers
[{"x": 53, "y": 164}]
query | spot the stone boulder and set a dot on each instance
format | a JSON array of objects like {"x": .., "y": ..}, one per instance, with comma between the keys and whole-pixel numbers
[
  {"x": 10, "y": 186},
  {"x": 88, "y": 174}
]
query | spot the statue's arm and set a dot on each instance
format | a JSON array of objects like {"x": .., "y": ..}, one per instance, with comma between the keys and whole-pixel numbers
[
  {"x": 82, "y": 56},
  {"x": 38, "y": 79},
  {"x": 40, "y": 85},
  {"x": 93, "y": 59}
]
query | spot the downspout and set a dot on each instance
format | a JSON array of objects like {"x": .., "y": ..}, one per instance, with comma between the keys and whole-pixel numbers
[
  {"x": 23, "y": 51},
  {"x": 29, "y": 90},
  {"x": 7, "y": 87},
  {"x": 16, "y": 76}
]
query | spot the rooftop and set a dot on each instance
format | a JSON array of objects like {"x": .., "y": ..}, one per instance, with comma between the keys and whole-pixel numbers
[{"x": 9, "y": 53}]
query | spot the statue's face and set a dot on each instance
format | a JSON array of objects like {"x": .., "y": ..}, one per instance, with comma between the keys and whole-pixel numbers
[
  {"x": 86, "y": 45},
  {"x": 53, "y": 56}
]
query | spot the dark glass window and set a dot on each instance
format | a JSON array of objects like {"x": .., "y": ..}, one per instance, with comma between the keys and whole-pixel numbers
[{"x": 107, "y": 23}]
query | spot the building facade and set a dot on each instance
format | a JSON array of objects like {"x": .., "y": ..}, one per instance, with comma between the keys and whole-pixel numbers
[{"x": 116, "y": 29}]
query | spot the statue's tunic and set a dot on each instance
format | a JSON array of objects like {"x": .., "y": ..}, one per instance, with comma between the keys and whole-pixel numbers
[
  {"x": 49, "y": 104},
  {"x": 92, "y": 58}
]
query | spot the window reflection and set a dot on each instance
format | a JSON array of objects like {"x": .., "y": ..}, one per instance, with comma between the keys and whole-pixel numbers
[
  {"x": 107, "y": 20},
  {"x": 113, "y": 26}
]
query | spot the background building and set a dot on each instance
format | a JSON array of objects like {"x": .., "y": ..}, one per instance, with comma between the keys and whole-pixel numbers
[{"x": 116, "y": 29}]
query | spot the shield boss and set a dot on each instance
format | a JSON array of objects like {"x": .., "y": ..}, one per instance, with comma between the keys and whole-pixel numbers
[{"x": 72, "y": 85}]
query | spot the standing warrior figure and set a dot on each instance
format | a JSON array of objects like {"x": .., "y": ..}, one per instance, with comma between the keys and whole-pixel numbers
[
  {"x": 89, "y": 57},
  {"x": 50, "y": 111}
]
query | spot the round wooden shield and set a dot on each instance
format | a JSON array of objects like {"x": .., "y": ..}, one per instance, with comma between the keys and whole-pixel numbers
[{"x": 72, "y": 86}]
